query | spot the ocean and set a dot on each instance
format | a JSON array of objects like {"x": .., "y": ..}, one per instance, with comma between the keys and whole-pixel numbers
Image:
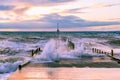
[{"x": 16, "y": 47}]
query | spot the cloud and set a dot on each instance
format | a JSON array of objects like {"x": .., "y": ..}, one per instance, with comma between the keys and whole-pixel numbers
[
  {"x": 50, "y": 21},
  {"x": 110, "y": 5},
  {"x": 1, "y": 18},
  {"x": 6, "y": 7},
  {"x": 46, "y": 2},
  {"x": 73, "y": 21},
  {"x": 76, "y": 10},
  {"x": 99, "y": 5},
  {"x": 20, "y": 9},
  {"x": 4, "y": 1},
  {"x": 114, "y": 19},
  {"x": 35, "y": 2}
]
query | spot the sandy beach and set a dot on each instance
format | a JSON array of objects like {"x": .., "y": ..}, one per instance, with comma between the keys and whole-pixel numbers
[
  {"x": 69, "y": 69},
  {"x": 40, "y": 73}
]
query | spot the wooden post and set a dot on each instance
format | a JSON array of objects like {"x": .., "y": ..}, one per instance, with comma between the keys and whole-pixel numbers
[
  {"x": 112, "y": 53},
  {"x": 39, "y": 49},
  {"x": 23, "y": 64},
  {"x": 93, "y": 50},
  {"x": 32, "y": 53},
  {"x": 105, "y": 52},
  {"x": 36, "y": 51},
  {"x": 97, "y": 51},
  {"x": 19, "y": 67},
  {"x": 102, "y": 52}
]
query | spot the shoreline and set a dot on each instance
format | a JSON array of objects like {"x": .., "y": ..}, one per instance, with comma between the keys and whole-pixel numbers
[{"x": 78, "y": 63}]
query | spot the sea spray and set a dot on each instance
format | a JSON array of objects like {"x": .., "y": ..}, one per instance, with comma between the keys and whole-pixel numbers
[
  {"x": 49, "y": 52},
  {"x": 9, "y": 67},
  {"x": 56, "y": 49}
]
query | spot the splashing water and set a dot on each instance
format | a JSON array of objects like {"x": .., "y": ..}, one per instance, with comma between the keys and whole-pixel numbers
[
  {"x": 56, "y": 49},
  {"x": 9, "y": 67},
  {"x": 49, "y": 50}
]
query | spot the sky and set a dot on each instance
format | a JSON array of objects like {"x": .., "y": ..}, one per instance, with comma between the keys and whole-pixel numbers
[{"x": 72, "y": 15}]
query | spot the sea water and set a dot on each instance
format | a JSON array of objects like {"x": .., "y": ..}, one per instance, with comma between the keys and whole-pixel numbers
[{"x": 19, "y": 45}]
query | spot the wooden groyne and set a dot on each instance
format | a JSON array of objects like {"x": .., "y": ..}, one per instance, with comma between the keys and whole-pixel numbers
[
  {"x": 37, "y": 51},
  {"x": 109, "y": 54},
  {"x": 23, "y": 64},
  {"x": 95, "y": 50}
]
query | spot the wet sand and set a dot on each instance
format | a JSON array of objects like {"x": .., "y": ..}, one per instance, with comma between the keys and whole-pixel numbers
[
  {"x": 45, "y": 73},
  {"x": 91, "y": 62},
  {"x": 85, "y": 68}
]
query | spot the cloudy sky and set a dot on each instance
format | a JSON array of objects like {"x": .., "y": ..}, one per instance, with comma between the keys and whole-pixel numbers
[{"x": 72, "y": 15}]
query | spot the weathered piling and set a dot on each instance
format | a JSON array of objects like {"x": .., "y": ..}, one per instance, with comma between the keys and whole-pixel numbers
[
  {"x": 104, "y": 52},
  {"x": 23, "y": 64},
  {"x": 101, "y": 52},
  {"x": 97, "y": 50},
  {"x": 36, "y": 51},
  {"x": 32, "y": 54},
  {"x": 39, "y": 49},
  {"x": 19, "y": 67},
  {"x": 93, "y": 50},
  {"x": 112, "y": 53}
]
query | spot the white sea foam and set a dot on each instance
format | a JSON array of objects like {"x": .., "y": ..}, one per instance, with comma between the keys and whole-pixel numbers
[
  {"x": 9, "y": 67},
  {"x": 56, "y": 49},
  {"x": 5, "y": 76},
  {"x": 20, "y": 46}
]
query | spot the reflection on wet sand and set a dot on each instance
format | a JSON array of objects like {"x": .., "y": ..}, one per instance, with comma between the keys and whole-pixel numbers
[
  {"x": 31, "y": 73},
  {"x": 100, "y": 68}
]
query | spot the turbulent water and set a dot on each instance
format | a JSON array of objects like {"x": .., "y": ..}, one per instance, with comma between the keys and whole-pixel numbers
[{"x": 16, "y": 47}]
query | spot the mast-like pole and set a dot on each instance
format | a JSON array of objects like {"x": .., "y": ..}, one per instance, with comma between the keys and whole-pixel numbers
[
  {"x": 57, "y": 43},
  {"x": 58, "y": 30}
]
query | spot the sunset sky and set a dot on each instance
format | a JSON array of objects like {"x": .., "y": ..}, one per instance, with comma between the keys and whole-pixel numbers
[{"x": 72, "y": 15}]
